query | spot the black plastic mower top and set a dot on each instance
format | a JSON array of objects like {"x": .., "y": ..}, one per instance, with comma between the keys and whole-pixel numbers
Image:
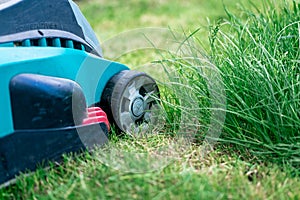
[
  {"x": 36, "y": 14},
  {"x": 35, "y": 19}
]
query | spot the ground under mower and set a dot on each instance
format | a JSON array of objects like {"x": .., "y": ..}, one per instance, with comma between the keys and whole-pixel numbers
[{"x": 58, "y": 93}]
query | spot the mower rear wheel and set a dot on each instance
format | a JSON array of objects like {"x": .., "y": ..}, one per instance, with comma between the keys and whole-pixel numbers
[{"x": 130, "y": 101}]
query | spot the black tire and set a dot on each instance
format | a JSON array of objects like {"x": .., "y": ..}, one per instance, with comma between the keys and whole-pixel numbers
[{"x": 128, "y": 100}]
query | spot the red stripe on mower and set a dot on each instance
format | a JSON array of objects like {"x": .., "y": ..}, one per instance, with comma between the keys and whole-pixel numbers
[{"x": 96, "y": 115}]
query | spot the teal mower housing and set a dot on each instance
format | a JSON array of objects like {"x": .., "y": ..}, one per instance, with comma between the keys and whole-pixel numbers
[{"x": 58, "y": 93}]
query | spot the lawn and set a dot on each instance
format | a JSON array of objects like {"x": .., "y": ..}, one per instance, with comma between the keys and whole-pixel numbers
[{"x": 231, "y": 83}]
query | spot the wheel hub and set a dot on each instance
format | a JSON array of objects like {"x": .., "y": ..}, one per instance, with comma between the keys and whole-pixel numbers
[{"x": 137, "y": 108}]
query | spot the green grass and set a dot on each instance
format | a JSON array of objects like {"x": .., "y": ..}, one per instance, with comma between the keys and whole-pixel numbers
[
  {"x": 112, "y": 17},
  {"x": 259, "y": 62},
  {"x": 256, "y": 57},
  {"x": 255, "y": 82},
  {"x": 220, "y": 175}
]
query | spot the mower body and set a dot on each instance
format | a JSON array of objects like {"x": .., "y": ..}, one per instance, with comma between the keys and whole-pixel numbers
[{"x": 51, "y": 72}]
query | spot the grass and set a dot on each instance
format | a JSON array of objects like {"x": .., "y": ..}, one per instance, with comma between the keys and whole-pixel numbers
[
  {"x": 109, "y": 18},
  {"x": 255, "y": 82},
  {"x": 259, "y": 62},
  {"x": 220, "y": 175}
]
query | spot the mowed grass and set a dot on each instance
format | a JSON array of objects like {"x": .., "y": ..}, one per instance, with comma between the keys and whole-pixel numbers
[
  {"x": 258, "y": 152},
  {"x": 219, "y": 175}
]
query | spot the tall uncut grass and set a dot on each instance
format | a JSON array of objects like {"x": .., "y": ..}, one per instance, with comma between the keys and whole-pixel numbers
[
  {"x": 259, "y": 60},
  {"x": 257, "y": 55}
]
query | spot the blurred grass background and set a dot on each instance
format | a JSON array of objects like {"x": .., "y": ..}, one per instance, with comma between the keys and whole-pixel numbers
[{"x": 112, "y": 17}]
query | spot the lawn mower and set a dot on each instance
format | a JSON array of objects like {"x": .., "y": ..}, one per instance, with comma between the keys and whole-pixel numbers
[{"x": 58, "y": 93}]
